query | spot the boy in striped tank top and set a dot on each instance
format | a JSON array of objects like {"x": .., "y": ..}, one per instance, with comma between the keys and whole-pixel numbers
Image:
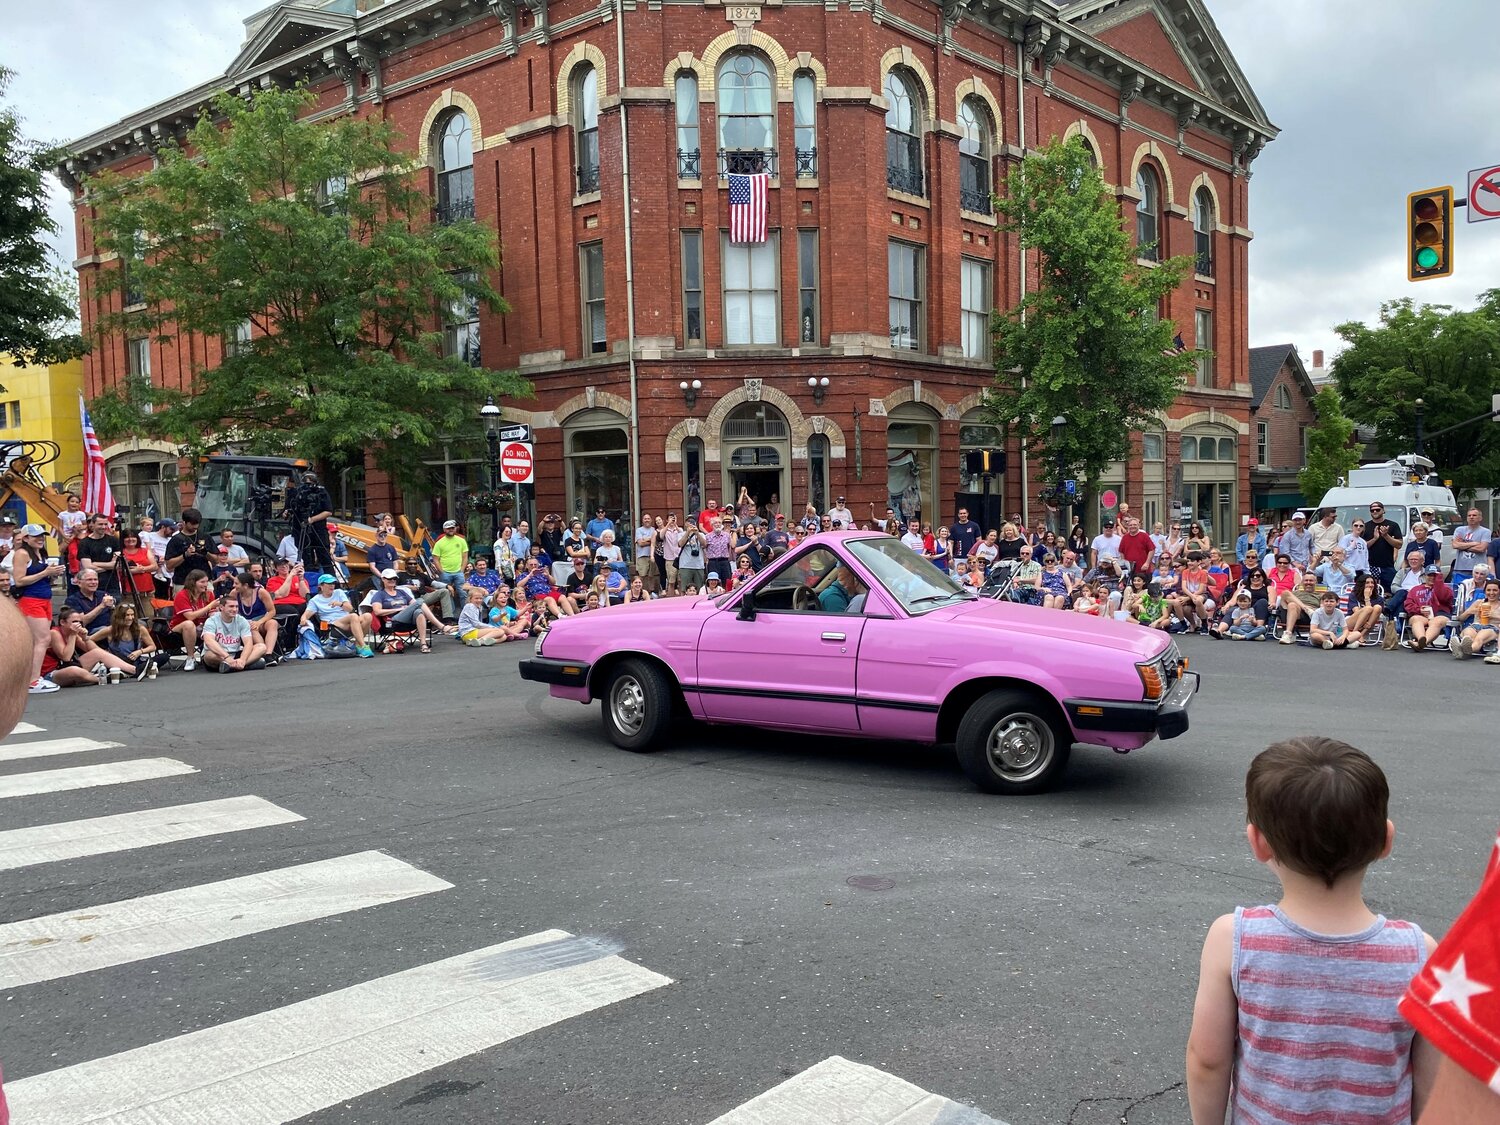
[{"x": 1295, "y": 1021}]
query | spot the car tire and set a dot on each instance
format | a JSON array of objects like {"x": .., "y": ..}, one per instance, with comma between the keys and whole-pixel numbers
[
  {"x": 1013, "y": 742},
  {"x": 637, "y": 705}
]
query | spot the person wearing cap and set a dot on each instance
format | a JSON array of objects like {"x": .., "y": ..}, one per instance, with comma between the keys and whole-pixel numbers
[
  {"x": 31, "y": 585},
  {"x": 311, "y": 507},
  {"x": 713, "y": 585},
  {"x": 1429, "y": 608},
  {"x": 551, "y": 539},
  {"x": 1251, "y": 539},
  {"x": 1247, "y": 621},
  {"x": 394, "y": 608},
  {"x": 288, "y": 585},
  {"x": 330, "y": 606},
  {"x": 8, "y": 527},
  {"x": 1106, "y": 544},
  {"x": 380, "y": 555},
  {"x": 596, "y": 527},
  {"x": 187, "y": 550},
  {"x": 840, "y": 513},
  {"x": 1429, "y": 517},
  {"x": 1297, "y": 542},
  {"x": 451, "y": 552},
  {"x": 1423, "y": 542}
]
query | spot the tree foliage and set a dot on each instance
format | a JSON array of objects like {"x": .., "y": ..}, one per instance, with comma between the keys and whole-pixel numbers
[
  {"x": 36, "y": 312},
  {"x": 1087, "y": 344},
  {"x": 1450, "y": 360},
  {"x": 1329, "y": 454},
  {"x": 314, "y": 234}
]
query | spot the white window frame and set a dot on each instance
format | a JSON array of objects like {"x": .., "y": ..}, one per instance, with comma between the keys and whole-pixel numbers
[
  {"x": 977, "y": 301},
  {"x": 592, "y": 296},
  {"x": 1203, "y": 339},
  {"x": 737, "y": 269},
  {"x": 915, "y": 300}
]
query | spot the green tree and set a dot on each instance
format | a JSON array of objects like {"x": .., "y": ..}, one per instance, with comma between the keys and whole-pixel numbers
[
  {"x": 313, "y": 234},
  {"x": 1329, "y": 454},
  {"x": 1450, "y": 360},
  {"x": 1087, "y": 344},
  {"x": 36, "y": 313}
]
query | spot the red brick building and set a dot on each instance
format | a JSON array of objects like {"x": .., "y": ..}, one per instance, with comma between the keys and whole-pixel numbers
[
  {"x": 1281, "y": 414},
  {"x": 848, "y": 354}
]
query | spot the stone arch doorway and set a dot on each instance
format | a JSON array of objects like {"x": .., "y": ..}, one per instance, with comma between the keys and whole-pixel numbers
[{"x": 755, "y": 451}]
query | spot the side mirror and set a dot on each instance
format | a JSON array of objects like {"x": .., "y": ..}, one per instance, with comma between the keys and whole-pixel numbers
[{"x": 747, "y": 607}]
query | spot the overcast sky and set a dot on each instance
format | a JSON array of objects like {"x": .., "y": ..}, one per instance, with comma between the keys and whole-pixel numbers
[{"x": 1375, "y": 99}]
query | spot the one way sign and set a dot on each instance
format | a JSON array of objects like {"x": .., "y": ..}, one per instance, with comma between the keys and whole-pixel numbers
[{"x": 518, "y": 432}]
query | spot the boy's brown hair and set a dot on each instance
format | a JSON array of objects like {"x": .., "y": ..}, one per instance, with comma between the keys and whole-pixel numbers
[{"x": 1321, "y": 805}]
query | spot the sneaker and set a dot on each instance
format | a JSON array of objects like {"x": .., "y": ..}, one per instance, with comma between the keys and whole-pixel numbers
[
  {"x": 115, "y": 675},
  {"x": 1492, "y": 658},
  {"x": 1236, "y": 637},
  {"x": 1287, "y": 638},
  {"x": 270, "y": 661},
  {"x": 364, "y": 651},
  {"x": 256, "y": 664},
  {"x": 1327, "y": 644},
  {"x": 151, "y": 671},
  {"x": 44, "y": 685},
  {"x": 223, "y": 667},
  {"x": 190, "y": 663},
  {"x": 143, "y": 670},
  {"x": 1464, "y": 648}
]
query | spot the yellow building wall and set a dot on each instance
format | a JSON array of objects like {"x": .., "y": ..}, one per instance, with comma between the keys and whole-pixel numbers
[{"x": 48, "y": 397}]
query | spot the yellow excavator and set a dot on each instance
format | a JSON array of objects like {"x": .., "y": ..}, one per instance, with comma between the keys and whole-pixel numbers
[{"x": 238, "y": 492}]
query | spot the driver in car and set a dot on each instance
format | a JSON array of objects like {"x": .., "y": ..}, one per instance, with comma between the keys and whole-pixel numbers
[{"x": 840, "y": 590}]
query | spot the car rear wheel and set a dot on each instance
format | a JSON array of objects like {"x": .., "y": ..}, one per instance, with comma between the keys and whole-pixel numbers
[
  {"x": 1013, "y": 742},
  {"x": 637, "y": 705}
]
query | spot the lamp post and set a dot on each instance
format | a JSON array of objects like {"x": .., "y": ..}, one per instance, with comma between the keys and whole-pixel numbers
[
  {"x": 1421, "y": 409},
  {"x": 1064, "y": 510},
  {"x": 489, "y": 414}
]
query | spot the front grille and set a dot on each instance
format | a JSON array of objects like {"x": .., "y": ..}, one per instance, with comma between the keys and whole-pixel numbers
[{"x": 1171, "y": 665}]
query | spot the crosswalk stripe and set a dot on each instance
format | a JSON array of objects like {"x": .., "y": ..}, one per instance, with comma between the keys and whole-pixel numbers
[
  {"x": 28, "y": 728},
  {"x": 15, "y": 751},
  {"x": 283, "y": 1064},
  {"x": 839, "y": 1092},
  {"x": 96, "y": 937},
  {"x": 47, "y": 843},
  {"x": 85, "y": 777}
]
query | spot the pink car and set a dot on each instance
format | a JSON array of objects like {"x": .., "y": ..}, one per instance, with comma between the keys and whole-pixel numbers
[{"x": 854, "y": 634}]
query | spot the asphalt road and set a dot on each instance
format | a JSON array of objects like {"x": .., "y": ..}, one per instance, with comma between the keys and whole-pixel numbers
[{"x": 1031, "y": 957}]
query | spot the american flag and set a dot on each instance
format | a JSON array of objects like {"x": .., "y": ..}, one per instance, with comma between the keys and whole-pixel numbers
[
  {"x": 96, "y": 494},
  {"x": 747, "y": 207},
  {"x": 1177, "y": 348}
]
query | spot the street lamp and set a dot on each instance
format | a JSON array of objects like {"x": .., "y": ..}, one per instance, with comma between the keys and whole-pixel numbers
[
  {"x": 1421, "y": 409},
  {"x": 1064, "y": 505},
  {"x": 819, "y": 388},
  {"x": 690, "y": 391},
  {"x": 489, "y": 414}
]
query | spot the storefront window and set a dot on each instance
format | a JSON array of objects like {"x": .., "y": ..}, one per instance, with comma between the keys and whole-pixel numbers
[
  {"x": 976, "y": 435},
  {"x": 597, "y": 449},
  {"x": 911, "y": 448},
  {"x": 1210, "y": 477},
  {"x": 144, "y": 484}
]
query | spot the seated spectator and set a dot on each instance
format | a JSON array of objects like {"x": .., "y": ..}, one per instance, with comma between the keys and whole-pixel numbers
[
  {"x": 1219, "y": 576},
  {"x": 258, "y": 608},
  {"x": 1297, "y": 603},
  {"x": 599, "y": 588},
  {"x": 482, "y": 576},
  {"x": 546, "y": 599},
  {"x": 615, "y": 585},
  {"x": 288, "y": 586},
  {"x": 192, "y": 606},
  {"x": 220, "y": 570},
  {"x": 428, "y": 591},
  {"x": 1253, "y": 561},
  {"x": 1367, "y": 603},
  {"x": 1429, "y": 608},
  {"x": 607, "y": 554},
  {"x": 1195, "y": 606},
  {"x": 1070, "y": 568},
  {"x": 1091, "y": 599},
  {"x": 1247, "y": 620},
  {"x": 472, "y": 629},
  {"x": 92, "y": 604},
  {"x": 575, "y": 586},
  {"x": 1405, "y": 581},
  {"x": 1152, "y": 609},
  {"x": 1328, "y": 627},
  {"x": 504, "y": 615},
  {"x": 712, "y": 586},
  {"x": 637, "y": 591},
  {"x": 1130, "y": 599},
  {"x": 131, "y": 641},
  {"x": 72, "y": 659},
  {"x": 140, "y": 562},
  {"x": 743, "y": 572},
  {"x": 973, "y": 576},
  {"x": 229, "y": 643},
  {"x": 1254, "y": 583},
  {"x": 1479, "y": 621},
  {"x": 394, "y": 608},
  {"x": 1282, "y": 579},
  {"x": 1471, "y": 589},
  {"x": 1057, "y": 587},
  {"x": 1336, "y": 573},
  {"x": 1026, "y": 578},
  {"x": 331, "y": 607}
]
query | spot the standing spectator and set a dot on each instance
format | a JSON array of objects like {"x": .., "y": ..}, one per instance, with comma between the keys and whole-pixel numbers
[
  {"x": 1356, "y": 550},
  {"x": 1326, "y": 535},
  {"x": 31, "y": 585},
  {"x": 645, "y": 550},
  {"x": 1174, "y": 544},
  {"x": 7, "y": 536},
  {"x": 717, "y": 547},
  {"x": 1136, "y": 547},
  {"x": 1423, "y": 542},
  {"x": 1382, "y": 537},
  {"x": 1429, "y": 517},
  {"x": 520, "y": 544},
  {"x": 671, "y": 550},
  {"x": 594, "y": 532},
  {"x": 97, "y": 551},
  {"x": 154, "y": 538},
  {"x": 140, "y": 563},
  {"x": 451, "y": 550},
  {"x": 72, "y": 519},
  {"x": 287, "y": 549},
  {"x": 964, "y": 533},
  {"x": 913, "y": 538},
  {"x": 576, "y": 543},
  {"x": 551, "y": 538},
  {"x": 187, "y": 550},
  {"x": 1078, "y": 541},
  {"x": 1297, "y": 542},
  {"x": 1197, "y": 539},
  {"x": 691, "y": 559},
  {"x": 235, "y": 555},
  {"x": 776, "y": 541},
  {"x": 1106, "y": 545},
  {"x": 1251, "y": 539},
  {"x": 1009, "y": 545},
  {"x": 808, "y": 524},
  {"x": 841, "y": 513},
  {"x": 1469, "y": 545}
]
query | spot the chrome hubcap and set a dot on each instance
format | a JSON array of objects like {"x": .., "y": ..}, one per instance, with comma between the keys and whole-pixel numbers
[
  {"x": 1020, "y": 746},
  {"x": 627, "y": 705}
]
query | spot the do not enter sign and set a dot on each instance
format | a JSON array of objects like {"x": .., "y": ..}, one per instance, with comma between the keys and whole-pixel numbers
[{"x": 515, "y": 462}]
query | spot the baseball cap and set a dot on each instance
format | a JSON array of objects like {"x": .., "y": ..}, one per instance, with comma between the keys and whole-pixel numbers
[
  {"x": 1299, "y": 515},
  {"x": 1254, "y": 522},
  {"x": 1431, "y": 569},
  {"x": 389, "y": 573},
  {"x": 449, "y": 523},
  {"x": 7, "y": 519},
  {"x": 328, "y": 578},
  {"x": 166, "y": 521},
  {"x": 1109, "y": 523},
  {"x": 33, "y": 529}
]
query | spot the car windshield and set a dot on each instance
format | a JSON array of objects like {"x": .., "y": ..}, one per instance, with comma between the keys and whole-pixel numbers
[{"x": 906, "y": 575}]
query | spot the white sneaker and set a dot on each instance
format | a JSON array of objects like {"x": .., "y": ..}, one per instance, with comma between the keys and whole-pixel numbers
[
  {"x": 189, "y": 664},
  {"x": 44, "y": 685},
  {"x": 151, "y": 671},
  {"x": 1327, "y": 644},
  {"x": 1287, "y": 638}
]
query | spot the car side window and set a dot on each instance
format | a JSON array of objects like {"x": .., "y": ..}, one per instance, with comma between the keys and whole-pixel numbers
[{"x": 795, "y": 586}]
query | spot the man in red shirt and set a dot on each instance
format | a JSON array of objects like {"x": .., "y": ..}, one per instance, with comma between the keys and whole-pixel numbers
[{"x": 1136, "y": 547}]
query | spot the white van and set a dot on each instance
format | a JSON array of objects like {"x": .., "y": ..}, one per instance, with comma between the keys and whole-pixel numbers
[{"x": 1404, "y": 487}]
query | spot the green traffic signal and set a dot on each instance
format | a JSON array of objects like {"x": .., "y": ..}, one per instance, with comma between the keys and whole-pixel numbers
[{"x": 1429, "y": 247}]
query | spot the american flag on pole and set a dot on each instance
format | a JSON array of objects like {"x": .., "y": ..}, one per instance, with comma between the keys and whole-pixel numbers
[
  {"x": 96, "y": 494},
  {"x": 747, "y": 207}
]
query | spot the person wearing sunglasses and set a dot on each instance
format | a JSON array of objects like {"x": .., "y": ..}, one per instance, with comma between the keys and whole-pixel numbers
[
  {"x": 1383, "y": 538},
  {"x": 1356, "y": 550}
]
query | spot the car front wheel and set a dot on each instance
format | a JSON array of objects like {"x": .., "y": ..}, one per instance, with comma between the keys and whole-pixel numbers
[
  {"x": 637, "y": 704},
  {"x": 1011, "y": 742}
]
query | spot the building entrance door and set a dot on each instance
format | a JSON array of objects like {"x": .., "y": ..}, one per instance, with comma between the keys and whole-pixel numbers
[{"x": 757, "y": 448}]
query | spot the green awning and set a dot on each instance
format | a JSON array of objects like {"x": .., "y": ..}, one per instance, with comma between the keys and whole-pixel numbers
[{"x": 1279, "y": 500}]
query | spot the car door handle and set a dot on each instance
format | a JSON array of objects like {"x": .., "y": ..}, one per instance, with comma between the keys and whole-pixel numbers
[{"x": 833, "y": 636}]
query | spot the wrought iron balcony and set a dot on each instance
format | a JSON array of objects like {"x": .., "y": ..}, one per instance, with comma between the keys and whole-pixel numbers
[
  {"x": 974, "y": 184},
  {"x": 746, "y": 161},
  {"x": 903, "y": 163},
  {"x": 454, "y": 210},
  {"x": 807, "y": 163},
  {"x": 588, "y": 179},
  {"x": 1203, "y": 263},
  {"x": 689, "y": 164},
  {"x": 588, "y": 161}
]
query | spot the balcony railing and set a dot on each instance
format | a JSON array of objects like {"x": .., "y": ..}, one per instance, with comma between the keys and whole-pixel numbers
[
  {"x": 1203, "y": 261},
  {"x": 974, "y": 184},
  {"x": 588, "y": 161},
  {"x": 903, "y": 163},
  {"x": 689, "y": 164},
  {"x": 746, "y": 161},
  {"x": 454, "y": 210},
  {"x": 807, "y": 163}
]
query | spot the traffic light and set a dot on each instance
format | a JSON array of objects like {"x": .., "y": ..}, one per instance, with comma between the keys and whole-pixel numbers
[{"x": 1429, "y": 234}]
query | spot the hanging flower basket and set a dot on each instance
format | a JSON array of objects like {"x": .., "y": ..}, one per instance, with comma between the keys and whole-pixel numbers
[{"x": 490, "y": 501}]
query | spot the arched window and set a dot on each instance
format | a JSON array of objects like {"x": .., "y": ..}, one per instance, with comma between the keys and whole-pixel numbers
[
  {"x": 974, "y": 153},
  {"x": 596, "y": 446},
  {"x": 1283, "y": 399},
  {"x": 1203, "y": 232},
  {"x": 586, "y": 126},
  {"x": 804, "y": 111},
  {"x": 692, "y": 475},
  {"x": 747, "y": 115},
  {"x": 1210, "y": 477},
  {"x": 1088, "y": 151},
  {"x": 911, "y": 445},
  {"x": 1148, "y": 214},
  {"x": 818, "y": 461},
  {"x": 455, "y": 149},
  {"x": 903, "y": 134},
  {"x": 689, "y": 153}
]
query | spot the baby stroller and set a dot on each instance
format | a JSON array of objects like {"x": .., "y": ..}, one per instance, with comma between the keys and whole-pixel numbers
[{"x": 999, "y": 582}]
